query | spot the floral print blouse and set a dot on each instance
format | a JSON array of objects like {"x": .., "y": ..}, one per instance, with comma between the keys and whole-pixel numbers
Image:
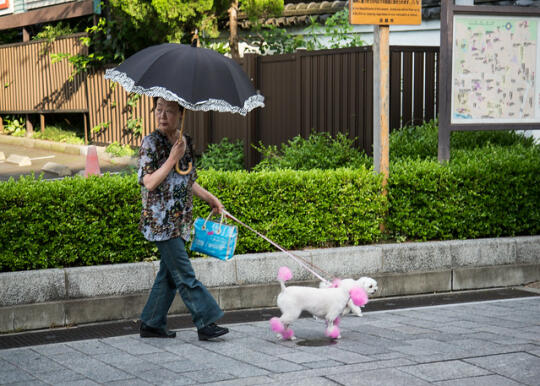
[{"x": 167, "y": 210}]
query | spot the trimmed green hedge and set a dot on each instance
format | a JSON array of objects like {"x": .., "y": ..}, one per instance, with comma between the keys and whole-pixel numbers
[
  {"x": 298, "y": 209},
  {"x": 78, "y": 221},
  {"x": 488, "y": 192},
  {"x": 484, "y": 192},
  {"x": 70, "y": 222}
]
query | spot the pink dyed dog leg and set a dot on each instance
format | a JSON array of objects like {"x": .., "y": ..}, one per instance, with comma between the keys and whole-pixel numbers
[
  {"x": 333, "y": 333},
  {"x": 276, "y": 325},
  {"x": 287, "y": 334}
]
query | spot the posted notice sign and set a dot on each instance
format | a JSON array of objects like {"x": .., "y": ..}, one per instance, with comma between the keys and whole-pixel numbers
[{"x": 385, "y": 12}]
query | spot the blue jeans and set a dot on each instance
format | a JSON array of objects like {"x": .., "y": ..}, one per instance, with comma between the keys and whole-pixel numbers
[{"x": 176, "y": 273}]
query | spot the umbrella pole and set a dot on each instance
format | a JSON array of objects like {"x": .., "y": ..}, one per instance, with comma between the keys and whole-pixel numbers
[{"x": 190, "y": 165}]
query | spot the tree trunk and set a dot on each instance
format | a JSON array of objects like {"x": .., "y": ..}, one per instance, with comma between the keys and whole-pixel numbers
[{"x": 233, "y": 26}]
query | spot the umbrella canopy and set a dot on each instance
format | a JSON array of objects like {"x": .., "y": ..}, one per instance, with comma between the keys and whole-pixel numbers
[{"x": 197, "y": 78}]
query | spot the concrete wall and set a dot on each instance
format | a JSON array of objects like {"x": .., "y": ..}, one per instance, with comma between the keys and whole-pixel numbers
[{"x": 63, "y": 297}]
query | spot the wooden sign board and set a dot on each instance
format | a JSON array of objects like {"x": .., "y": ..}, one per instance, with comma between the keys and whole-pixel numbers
[{"x": 385, "y": 12}]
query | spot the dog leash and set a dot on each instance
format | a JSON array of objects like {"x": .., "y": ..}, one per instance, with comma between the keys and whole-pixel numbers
[{"x": 298, "y": 259}]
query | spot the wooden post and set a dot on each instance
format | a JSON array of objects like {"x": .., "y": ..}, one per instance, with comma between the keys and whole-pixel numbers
[
  {"x": 42, "y": 122},
  {"x": 250, "y": 136},
  {"x": 25, "y": 34},
  {"x": 381, "y": 98},
  {"x": 85, "y": 119},
  {"x": 29, "y": 126}
]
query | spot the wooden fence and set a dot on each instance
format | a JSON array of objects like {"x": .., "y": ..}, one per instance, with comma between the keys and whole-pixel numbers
[
  {"x": 30, "y": 83},
  {"x": 308, "y": 91}
]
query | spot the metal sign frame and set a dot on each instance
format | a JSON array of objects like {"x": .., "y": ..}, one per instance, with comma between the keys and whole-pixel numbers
[{"x": 448, "y": 11}]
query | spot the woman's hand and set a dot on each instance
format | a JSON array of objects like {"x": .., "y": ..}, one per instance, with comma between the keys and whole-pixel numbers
[
  {"x": 216, "y": 205},
  {"x": 152, "y": 181},
  {"x": 178, "y": 150}
]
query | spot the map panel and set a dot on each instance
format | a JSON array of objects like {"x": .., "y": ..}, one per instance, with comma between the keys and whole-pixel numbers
[{"x": 495, "y": 65}]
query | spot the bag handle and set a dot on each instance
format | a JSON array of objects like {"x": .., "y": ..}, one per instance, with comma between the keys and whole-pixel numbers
[{"x": 220, "y": 222}]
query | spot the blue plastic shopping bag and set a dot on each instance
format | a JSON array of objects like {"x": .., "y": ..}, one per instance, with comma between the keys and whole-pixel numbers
[{"x": 214, "y": 239}]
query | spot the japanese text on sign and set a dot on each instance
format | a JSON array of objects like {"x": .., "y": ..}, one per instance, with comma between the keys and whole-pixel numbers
[{"x": 385, "y": 12}]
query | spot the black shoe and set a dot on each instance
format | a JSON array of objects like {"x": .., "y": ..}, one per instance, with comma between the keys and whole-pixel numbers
[
  {"x": 152, "y": 332},
  {"x": 211, "y": 331}
]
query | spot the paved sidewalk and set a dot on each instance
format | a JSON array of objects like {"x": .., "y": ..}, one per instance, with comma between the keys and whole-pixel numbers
[{"x": 482, "y": 343}]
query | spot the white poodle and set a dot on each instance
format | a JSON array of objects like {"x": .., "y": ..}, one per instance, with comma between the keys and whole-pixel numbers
[{"x": 324, "y": 303}]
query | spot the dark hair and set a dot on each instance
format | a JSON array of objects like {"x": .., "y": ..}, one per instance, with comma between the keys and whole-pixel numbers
[{"x": 182, "y": 108}]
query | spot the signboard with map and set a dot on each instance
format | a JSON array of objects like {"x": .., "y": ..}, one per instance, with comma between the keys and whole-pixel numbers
[
  {"x": 495, "y": 68},
  {"x": 489, "y": 70}
]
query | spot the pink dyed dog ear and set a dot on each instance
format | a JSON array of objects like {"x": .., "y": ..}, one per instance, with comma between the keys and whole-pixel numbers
[
  {"x": 359, "y": 296},
  {"x": 284, "y": 274}
]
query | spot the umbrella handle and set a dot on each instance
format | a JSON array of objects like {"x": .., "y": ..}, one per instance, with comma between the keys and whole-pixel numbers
[
  {"x": 190, "y": 165},
  {"x": 183, "y": 172}
]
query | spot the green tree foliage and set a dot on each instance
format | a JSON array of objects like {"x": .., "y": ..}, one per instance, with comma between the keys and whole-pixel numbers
[
  {"x": 274, "y": 40},
  {"x": 256, "y": 9},
  {"x": 132, "y": 25}
]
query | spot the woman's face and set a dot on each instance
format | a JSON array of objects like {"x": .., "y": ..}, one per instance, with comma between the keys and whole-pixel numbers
[{"x": 167, "y": 115}]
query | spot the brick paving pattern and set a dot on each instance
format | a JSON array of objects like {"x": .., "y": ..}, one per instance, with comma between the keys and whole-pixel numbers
[{"x": 482, "y": 343}]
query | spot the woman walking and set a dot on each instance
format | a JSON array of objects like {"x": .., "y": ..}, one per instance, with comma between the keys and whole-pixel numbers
[{"x": 166, "y": 220}]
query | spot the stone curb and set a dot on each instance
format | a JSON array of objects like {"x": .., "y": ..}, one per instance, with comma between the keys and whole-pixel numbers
[
  {"x": 63, "y": 297},
  {"x": 66, "y": 148},
  {"x": 26, "y": 287}
]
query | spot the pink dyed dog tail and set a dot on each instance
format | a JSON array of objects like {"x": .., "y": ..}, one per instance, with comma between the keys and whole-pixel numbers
[
  {"x": 284, "y": 274},
  {"x": 359, "y": 296}
]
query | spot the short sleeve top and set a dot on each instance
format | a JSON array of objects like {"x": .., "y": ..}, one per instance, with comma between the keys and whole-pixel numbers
[{"x": 167, "y": 211}]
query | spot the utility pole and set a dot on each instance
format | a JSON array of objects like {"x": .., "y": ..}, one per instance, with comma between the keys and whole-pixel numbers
[{"x": 381, "y": 100}]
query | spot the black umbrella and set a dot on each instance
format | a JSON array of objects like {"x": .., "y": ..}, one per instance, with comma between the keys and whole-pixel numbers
[{"x": 197, "y": 78}]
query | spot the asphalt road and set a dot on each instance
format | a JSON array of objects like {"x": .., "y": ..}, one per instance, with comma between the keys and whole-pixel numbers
[{"x": 40, "y": 157}]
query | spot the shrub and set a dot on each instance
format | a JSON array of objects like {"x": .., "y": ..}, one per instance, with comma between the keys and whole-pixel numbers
[
  {"x": 486, "y": 192},
  {"x": 319, "y": 151},
  {"x": 225, "y": 155},
  {"x": 316, "y": 208},
  {"x": 14, "y": 126},
  {"x": 78, "y": 221},
  {"x": 118, "y": 150},
  {"x": 422, "y": 141},
  {"x": 70, "y": 222},
  {"x": 57, "y": 134}
]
